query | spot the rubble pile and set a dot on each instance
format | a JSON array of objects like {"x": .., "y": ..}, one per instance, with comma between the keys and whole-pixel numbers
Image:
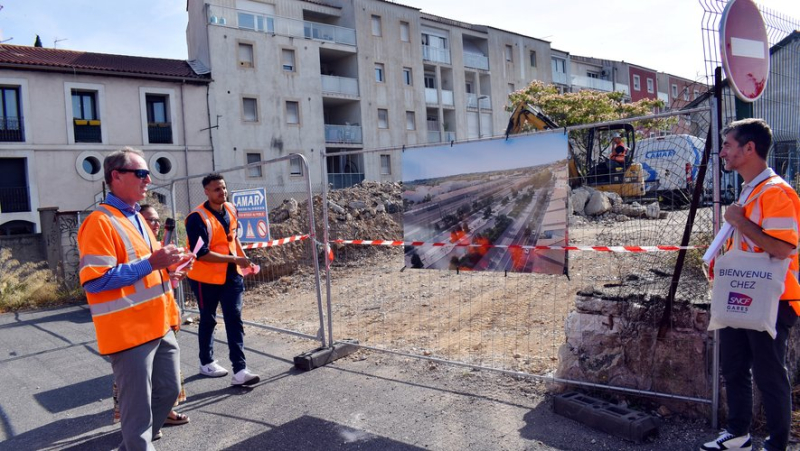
[
  {"x": 367, "y": 211},
  {"x": 604, "y": 205}
]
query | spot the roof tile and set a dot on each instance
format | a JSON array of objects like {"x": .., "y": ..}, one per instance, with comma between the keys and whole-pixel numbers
[{"x": 16, "y": 55}]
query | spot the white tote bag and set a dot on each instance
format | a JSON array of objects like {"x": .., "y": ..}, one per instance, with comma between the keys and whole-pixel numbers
[{"x": 747, "y": 289}]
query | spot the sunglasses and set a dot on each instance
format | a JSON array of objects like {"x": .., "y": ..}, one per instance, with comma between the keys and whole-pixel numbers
[
  {"x": 139, "y": 173},
  {"x": 153, "y": 220}
]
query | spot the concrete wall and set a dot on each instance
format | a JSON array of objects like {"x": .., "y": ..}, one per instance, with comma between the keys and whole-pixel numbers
[
  {"x": 271, "y": 136},
  {"x": 24, "y": 248},
  {"x": 60, "y": 240}
]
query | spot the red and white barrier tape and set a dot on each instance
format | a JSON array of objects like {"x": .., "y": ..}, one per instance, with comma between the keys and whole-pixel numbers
[
  {"x": 273, "y": 243},
  {"x": 635, "y": 249}
]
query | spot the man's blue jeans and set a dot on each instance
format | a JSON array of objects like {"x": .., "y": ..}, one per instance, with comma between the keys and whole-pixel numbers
[{"x": 229, "y": 297}]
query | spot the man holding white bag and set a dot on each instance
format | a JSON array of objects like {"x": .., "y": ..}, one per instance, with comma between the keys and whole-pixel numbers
[{"x": 766, "y": 217}]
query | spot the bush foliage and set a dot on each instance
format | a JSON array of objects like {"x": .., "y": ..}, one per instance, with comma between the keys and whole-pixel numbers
[{"x": 30, "y": 286}]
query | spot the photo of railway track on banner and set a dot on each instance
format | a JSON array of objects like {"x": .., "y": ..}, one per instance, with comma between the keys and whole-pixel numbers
[{"x": 493, "y": 200}]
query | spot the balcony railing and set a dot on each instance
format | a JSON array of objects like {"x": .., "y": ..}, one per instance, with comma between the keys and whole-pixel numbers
[
  {"x": 473, "y": 101},
  {"x": 435, "y": 54},
  {"x": 159, "y": 132},
  {"x": 344, "y": 180},
  {"x": 447, "y": 98},
  {"x": 87, "y": 131},
  {"x": 476, "y": 61},
  {"x": 441, "y": 137},
  {"x": 343, "y": 134},
  {"x": 596, "y": 84},
  {"x": 431, "y": 96},
  {"x": 339, "y": 85},
  {"x": 14, "y": 200},
  {"x": 560, "y": 77},
  {"x": 11, "y": 129},
  {"x": 248, "y": 20}
]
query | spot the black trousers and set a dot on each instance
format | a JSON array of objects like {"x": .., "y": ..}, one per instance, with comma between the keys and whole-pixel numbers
[{"x": 744, "y": 351}]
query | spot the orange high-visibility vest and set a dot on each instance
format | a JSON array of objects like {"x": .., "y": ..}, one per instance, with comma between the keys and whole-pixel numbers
[
  {"x": 215, "y": 273},
  {"x": 129, "y": 316},
  {"x": 776, "y": 212},
  {"x": 618, "y": 157}
]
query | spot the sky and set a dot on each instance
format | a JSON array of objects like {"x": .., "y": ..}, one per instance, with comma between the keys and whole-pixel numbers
[
  {"x": 483, "y": 156},
  {"x": 664, "y": 35}
]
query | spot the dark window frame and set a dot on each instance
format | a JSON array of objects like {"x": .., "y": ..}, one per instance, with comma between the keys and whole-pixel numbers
[{"x": 11, "y": 125}]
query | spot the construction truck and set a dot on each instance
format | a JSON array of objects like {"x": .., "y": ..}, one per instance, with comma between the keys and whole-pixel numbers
[{"x": 590, "y": 157}]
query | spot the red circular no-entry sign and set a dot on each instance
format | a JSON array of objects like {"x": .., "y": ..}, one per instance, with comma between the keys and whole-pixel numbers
[{"x": 745, "y": 49}]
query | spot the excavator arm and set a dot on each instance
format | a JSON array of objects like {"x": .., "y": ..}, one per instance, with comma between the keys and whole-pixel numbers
[{"x": 528, "y": 117}]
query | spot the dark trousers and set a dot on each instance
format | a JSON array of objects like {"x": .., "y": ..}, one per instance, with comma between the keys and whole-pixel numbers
[
  {"x": 229, "y": 297},
  {"x": 743, "y": 350}
]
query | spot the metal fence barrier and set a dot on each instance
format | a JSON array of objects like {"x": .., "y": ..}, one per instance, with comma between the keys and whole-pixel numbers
[
  {"x": 524, "y": 324},
  {"x": 291, "y": 216}
]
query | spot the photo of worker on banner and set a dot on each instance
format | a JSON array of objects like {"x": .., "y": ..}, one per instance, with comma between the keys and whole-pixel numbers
[{"x": 486, "y": 203}]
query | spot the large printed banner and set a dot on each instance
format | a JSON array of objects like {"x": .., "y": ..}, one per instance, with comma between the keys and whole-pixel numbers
[{"x": 482, "y": 197}]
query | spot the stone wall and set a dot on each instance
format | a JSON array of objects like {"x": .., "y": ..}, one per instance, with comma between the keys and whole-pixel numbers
[
  {"x": 24, "y": 248},
  {"x": 615, "y": 342},
  {"x": 60, "y": 233}
]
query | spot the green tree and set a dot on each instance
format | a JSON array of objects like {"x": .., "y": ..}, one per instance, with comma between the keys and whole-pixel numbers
[
  {"x": 582, "y": 107},
  {"x": 587, "y": 107},
  {"x": 38, "y": 42}
]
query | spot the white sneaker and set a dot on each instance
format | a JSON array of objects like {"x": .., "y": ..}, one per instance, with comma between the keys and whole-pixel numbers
[
  {"x": 244, "y": 377},
  {"x": 213, "y": 369},
  {"x": 727, "y": 441}
]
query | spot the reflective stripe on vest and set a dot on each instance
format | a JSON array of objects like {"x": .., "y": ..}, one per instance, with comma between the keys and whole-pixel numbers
[
  {"x": 141, "y": 295},
  {"x": 102, "y": 261}
]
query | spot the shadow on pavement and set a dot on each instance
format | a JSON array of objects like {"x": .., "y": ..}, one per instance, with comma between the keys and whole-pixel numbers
[
  {"x": 311, "y": 434},
  {"x": 77, "y": 316},
  {"x": 76, "y": 395},
  {"x": 50, "y": 436}
]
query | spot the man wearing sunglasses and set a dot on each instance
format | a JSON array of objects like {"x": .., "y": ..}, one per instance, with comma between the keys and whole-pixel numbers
[
  {"x": 216, "y": 279},
  {"x": 126, "y": 275}
]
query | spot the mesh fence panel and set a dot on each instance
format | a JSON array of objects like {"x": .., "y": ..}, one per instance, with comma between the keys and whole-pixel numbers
[
  {"x": 284, "y": 268},
  {"x": 780, "y": 103},
  {"x": 516, "y": 321}
]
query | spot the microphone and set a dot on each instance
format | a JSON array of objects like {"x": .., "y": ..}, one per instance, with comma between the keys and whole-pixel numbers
[{"x": 169, "y": 230}]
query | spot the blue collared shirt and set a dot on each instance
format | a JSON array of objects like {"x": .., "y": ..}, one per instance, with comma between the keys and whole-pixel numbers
[{"x": 124, "y": 274}]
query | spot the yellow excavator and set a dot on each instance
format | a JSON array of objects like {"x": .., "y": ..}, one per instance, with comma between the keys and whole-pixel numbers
[{"x": 589, "y": 161}]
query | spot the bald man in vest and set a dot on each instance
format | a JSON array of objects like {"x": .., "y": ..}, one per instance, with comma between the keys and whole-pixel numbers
[
  {"x": 767, "y": 224},
  {"x": 216, "y": 279},
  {"x": 126, "y": 275}
]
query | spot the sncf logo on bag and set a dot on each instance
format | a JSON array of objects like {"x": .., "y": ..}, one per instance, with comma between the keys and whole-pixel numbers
[{"x": 738, "y": 302}]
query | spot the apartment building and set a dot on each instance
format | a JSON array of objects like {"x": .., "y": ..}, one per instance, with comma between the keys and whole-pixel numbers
[
  {"x": 63, "y": 111},
  {"x": 294, "y": 76},
  {"x": 599, "y": 75},
  {"x": 643, "y": 83}
]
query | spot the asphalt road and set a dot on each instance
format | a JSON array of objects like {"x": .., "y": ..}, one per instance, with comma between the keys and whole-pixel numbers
[{"x": 55, "y": 394}]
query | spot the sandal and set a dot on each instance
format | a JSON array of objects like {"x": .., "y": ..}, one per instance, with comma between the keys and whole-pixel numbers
[{"x": 175, "y": 418}]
